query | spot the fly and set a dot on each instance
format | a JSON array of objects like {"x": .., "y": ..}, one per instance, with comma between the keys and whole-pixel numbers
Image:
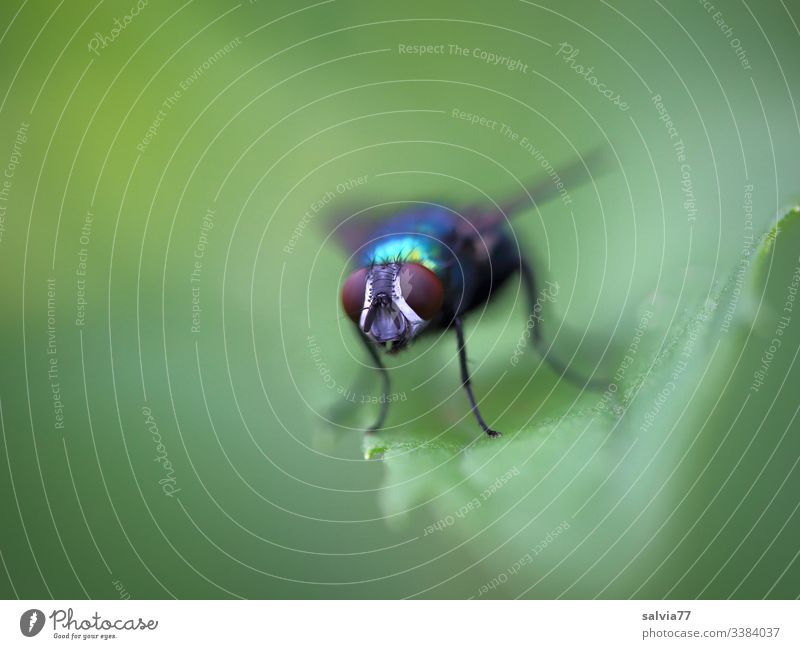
[{"x": 424, "y": 269}]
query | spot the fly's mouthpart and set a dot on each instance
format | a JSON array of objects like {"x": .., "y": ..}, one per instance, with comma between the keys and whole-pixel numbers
[
  {"x": 380, "y": 301},
  {"x": 369, "y": 318},
  {"x": 386, "y": 317},
  {"x": 383, "y": 320}
]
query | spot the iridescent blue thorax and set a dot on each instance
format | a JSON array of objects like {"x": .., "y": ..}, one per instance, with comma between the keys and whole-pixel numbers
[{"x": 418, "y": 236}]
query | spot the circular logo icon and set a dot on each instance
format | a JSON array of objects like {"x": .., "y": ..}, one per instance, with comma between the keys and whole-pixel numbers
[{"x": 31, "y": 622}]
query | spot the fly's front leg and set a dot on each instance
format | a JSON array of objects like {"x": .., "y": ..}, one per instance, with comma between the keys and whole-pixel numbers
[
  {"x": 384, "y": 380},
  {"x": 465, "y": 381}
]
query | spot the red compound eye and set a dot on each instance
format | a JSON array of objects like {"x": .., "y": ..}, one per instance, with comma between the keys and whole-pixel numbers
[
  {"x": 422, "y": 290},
  {"x": 353, "y": 294}
]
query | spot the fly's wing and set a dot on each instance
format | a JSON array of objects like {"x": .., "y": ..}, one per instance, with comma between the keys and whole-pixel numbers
[
  {"x": 484, "y": 218},
  {"x": 355, "y": 225}
]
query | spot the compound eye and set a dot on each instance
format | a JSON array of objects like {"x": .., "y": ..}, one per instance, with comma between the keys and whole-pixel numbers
[
  {"x": 353, "y": 294},
  {"x": 422, "y": 290}
]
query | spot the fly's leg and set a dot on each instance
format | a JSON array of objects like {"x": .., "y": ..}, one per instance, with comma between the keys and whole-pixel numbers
[
  {"x": 529, "y": 283},
  {"x": 538, "y": 342},
  {"x": 462, "y": 356},
  {"x": 385, "y": 382}
]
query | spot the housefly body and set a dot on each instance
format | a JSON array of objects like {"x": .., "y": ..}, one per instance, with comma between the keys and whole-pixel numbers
[{"x": 425, "y": 268}]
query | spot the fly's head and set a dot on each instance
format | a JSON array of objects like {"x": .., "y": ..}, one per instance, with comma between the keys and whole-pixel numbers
[{"x": 393, "y": 302}]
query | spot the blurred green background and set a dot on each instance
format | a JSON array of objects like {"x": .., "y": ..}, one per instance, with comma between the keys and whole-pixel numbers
[{"x": 170, "y": 363}]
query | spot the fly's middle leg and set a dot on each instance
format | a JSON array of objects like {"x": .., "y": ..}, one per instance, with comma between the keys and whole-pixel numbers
[
  {"x": 465, "y": 380},
  {"x": 537, "y": 339}
]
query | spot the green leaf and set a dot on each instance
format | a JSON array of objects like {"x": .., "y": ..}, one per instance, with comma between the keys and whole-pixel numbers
[{"x": 629, "y": 495}]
